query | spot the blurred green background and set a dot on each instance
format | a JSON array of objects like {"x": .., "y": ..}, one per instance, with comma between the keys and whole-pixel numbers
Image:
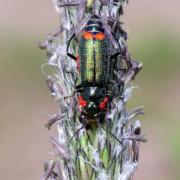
[{"x": 154, "y": 38}]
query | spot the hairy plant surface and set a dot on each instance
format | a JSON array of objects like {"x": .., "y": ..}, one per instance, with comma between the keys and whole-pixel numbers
[{"x": 109, "y": 149}]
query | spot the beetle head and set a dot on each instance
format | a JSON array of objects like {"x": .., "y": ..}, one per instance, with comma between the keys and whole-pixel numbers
[{"x": 93, "y": 100}]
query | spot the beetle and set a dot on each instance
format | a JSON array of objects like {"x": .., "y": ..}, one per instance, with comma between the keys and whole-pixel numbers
[{"x": 93, "y": 62}]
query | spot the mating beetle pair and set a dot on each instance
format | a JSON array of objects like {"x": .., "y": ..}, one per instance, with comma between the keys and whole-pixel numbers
[{"x": 93, "y": 62}]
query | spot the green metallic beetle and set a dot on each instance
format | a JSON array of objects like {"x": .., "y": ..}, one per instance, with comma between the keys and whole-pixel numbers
[{"x": 93, "y": 63}]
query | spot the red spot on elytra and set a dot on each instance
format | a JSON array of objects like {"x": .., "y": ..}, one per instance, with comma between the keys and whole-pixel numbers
[
  {"x": 100, "y": 36},
  {"x": 87, "y": 35},
  {"x": 82, "y": 102},
  {"x": 103, "y": 104}
]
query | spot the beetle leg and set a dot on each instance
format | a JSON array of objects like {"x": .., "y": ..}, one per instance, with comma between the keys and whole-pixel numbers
[
  {"x": 67, "y": 50},
  {"x": 78, "y": 89},
  {"x": 114, "y": 55},
  {"x": 72, "y": 56},
  {"x": 76, "y": 58},
  {"x": 67, "y": 97}
]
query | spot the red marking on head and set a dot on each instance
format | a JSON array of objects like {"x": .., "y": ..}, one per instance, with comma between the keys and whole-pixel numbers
[
  {"x": 82, "y": 102},
  {"x": 87, "y": 35},
  {"x": 103, "y": 104},
  {"x": 100, "y": 36}
]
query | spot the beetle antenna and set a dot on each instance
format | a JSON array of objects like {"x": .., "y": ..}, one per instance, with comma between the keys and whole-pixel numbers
[
  {"x": 112, "y": 135},
  {"x": 76, "y": 133}
]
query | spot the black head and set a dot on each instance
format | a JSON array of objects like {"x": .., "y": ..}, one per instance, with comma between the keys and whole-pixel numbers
[{"x": 93, "y": 101}]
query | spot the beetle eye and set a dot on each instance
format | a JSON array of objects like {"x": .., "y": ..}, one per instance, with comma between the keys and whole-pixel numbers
[
  {"x": 82, "y": 102},
  {"x": 103, "y": 104}
]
